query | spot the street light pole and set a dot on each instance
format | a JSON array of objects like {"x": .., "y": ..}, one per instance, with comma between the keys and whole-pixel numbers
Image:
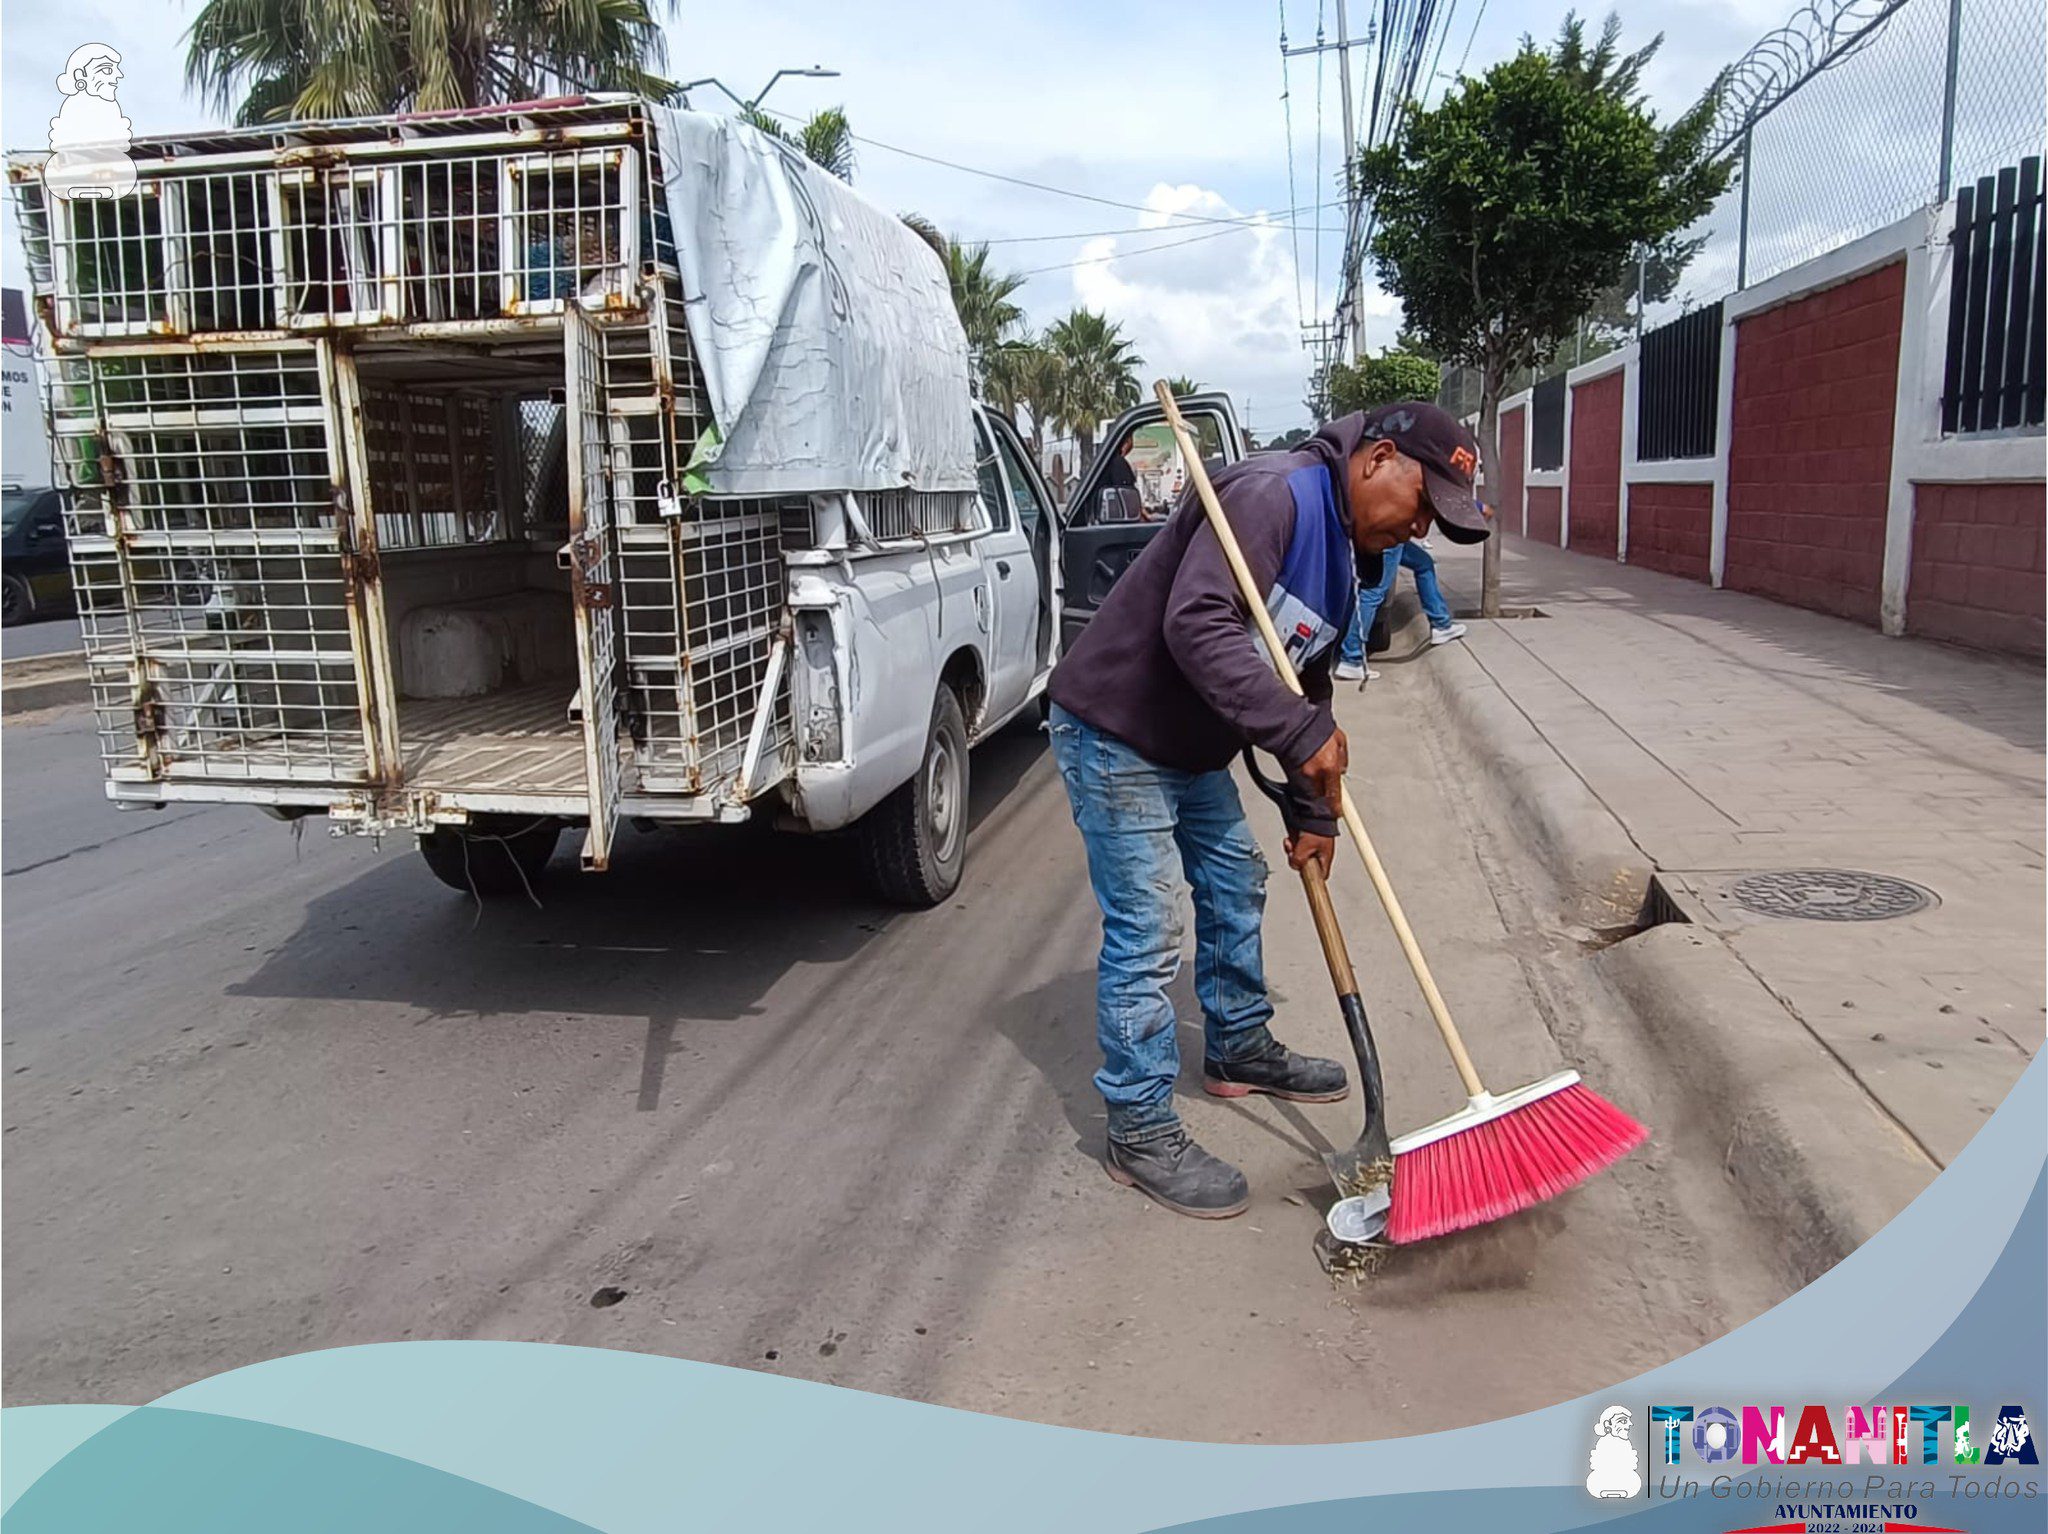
[{"x": 815, "y": 72}]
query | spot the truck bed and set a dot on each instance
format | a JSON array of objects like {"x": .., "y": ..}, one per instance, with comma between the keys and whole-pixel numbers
[{"x": 518, "y": 738}]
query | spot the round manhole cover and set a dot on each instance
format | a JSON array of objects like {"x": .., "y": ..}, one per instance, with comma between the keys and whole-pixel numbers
[{"x": 1830, "y": 894}]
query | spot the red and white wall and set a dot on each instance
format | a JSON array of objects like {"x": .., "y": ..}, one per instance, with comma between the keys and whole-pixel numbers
[{"x": 1831, "y": 486}]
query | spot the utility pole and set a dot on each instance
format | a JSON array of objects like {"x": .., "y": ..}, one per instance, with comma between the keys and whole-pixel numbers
[
  {"x": 1353, "y": 219},
  {"x": 1351, "y": 302}
]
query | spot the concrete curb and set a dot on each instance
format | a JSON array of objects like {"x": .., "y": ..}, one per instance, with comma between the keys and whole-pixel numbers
[
  {"x": 43, "y": 681},
  {"x": 1811, "y": 1153},
  {"x": 1603, "y": 878},
  {"x": 1813, "y": 1157}
]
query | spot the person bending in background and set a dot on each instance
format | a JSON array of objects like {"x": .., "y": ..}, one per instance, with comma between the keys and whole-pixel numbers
[{"x": 1415, "y": 556}]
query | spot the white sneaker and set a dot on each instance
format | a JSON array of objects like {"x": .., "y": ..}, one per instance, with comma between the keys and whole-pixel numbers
[
  {"x": 1445, "y": 636},
  {"x": 1349, "y": 671}
]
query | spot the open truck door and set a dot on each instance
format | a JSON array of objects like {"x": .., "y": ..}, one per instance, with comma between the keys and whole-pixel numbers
[
  {"x": 590, "y": 558},
  {"x": 1106, "y": 528}
]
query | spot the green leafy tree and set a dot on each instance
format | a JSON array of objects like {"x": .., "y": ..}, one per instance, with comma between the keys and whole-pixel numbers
[
  {"x": 1182, "y": 385},
  {"x": 826, "y": 137},
  {"x": 273, "y": 60},
  {"x": 1392, "y": 375},
  {"x": 1505, "y": 210},
  {"x": 1100, "y": 374}
]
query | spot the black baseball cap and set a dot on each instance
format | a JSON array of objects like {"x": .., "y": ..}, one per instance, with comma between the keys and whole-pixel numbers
[{"x": 1449, "y": 456}]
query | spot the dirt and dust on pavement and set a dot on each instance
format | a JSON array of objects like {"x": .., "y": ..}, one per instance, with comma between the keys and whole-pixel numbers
[{"x": 265, "y": 1094}]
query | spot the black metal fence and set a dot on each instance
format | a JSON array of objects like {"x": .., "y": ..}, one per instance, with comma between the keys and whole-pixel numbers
[
  {"x": 1546, "y": 424},
  {"x": 1997, "y": 327},
  {"x": 1678, "y": 394}
]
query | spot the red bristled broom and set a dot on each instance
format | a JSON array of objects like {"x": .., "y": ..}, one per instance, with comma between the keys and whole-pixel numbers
[{"x": 1497, "y": 1154}]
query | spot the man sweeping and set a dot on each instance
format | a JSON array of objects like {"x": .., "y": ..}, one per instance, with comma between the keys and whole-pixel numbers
[{"x": 1165, "y": 686}]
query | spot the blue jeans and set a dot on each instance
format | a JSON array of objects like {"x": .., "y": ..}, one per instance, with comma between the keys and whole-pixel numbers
[
  {"x": 1434, "y": 607},
  {"x": 1143, "y": 825}
]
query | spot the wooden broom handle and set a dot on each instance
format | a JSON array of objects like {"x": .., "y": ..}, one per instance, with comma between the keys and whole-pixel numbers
[{"x": 1374, "y": 869}]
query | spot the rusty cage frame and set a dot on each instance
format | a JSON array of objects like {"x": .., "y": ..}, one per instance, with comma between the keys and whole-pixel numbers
[{"x": 235, "y": 488}]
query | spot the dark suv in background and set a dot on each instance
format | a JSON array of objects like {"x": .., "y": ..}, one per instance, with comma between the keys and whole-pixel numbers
[{"x": 34, "y": 569}]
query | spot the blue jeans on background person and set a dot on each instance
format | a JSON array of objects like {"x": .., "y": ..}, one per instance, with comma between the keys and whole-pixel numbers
[
  {"x": 1414, "y": 557},
  {"x": 1146, "y": 827}
]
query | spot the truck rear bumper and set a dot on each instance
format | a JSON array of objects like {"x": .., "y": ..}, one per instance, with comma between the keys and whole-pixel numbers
[{"x": 356, "y": 809}]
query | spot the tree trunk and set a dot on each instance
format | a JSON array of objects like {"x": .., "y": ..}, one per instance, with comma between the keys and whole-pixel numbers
[
  {"x": 1489, "y": 465},
  {"x": 1085, "y": 436}
]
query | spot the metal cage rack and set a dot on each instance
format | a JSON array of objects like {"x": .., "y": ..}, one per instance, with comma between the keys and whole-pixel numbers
[{"x": 233, "y": 481}]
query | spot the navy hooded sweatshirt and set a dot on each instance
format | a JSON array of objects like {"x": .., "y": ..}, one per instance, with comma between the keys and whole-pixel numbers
[{"x": 1172, "y": 665}]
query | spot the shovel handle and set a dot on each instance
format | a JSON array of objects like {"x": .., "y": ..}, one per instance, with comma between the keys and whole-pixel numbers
[
  {"x": 1325, "y": 913},
  {"x": 1382, "y": 886}
]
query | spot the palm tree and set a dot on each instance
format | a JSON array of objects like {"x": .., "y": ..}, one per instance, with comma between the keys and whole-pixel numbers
[
  {"x": 987, "y": 311},
  {"x": 927, "y": 231},
  {"x": 1182, "y": 385},
  {"x": 1041, "y": 381},
  {"x": 826, "y": 138},
  {"x": 271, "y": 60},
  {"x": 1100, "y": 374}
]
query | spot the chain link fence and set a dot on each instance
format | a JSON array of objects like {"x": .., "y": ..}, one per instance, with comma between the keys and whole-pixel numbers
[
  {"x": 1849, "y": 131},
  {"x": 1845, "y": 120}
]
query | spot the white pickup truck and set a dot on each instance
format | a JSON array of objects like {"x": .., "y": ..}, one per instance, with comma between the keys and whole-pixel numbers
[{"x": 479, "y": 475}]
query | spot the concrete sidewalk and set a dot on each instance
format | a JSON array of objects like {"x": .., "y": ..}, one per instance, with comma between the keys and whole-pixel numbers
[{"x": 1658, "y": 727}]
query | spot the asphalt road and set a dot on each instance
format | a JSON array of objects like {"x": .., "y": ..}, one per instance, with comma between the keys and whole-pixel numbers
[
  {"x": 265, "y": 1094},
  {"x": 41, "y": 636}
]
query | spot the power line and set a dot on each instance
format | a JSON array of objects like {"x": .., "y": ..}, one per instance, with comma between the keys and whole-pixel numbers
[
  {"x": 996, "y": 175},
  {"x": 1469, "y": 40},
  {"x": 1124, "y": 255},
  {"x": 1443, "y": 36},
  {"x": 1250, "y": 220},
  {"x": 1287, "y": 116}
]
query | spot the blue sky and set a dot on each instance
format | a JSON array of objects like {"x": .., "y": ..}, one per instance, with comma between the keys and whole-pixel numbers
[{"x": 1173, "y": 108}]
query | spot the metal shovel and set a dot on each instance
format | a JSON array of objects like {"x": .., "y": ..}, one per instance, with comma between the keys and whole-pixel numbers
[{"x": 1364, "y": 1170}]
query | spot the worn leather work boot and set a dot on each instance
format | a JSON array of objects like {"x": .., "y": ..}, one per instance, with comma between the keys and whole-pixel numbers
[
  {"x": 1178, "y": 1173},
  {"x": 1279, "y": 1072}
]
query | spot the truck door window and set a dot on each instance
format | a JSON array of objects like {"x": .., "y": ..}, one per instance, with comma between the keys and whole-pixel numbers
[
  {"x": 1029, "y": 511},
  {"x": 991, "y": 476}
]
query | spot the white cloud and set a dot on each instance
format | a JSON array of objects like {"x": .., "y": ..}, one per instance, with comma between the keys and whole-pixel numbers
[{"x": 1220, "y": 308}]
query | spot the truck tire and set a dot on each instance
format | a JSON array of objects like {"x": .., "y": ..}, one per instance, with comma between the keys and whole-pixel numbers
[
  {"x": 494, "y": 857},
  {"x": 914, "y": 843}
]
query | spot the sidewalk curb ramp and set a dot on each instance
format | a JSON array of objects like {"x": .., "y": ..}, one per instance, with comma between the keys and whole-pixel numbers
[
  {"x": 1813, "y": 1157},
  {"x": 43, "y": 681}
]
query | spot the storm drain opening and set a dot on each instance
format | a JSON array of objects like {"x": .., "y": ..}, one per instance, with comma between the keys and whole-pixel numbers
[
  {"x": 1658, "y": 909},
  {"x": 1830, "y": 894}
]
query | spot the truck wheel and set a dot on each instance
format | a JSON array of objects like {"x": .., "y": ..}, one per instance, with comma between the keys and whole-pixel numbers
[
  {"x": 914, "y": 842},
  {"x": 16, "y": 601},
  {"x": 493, "y": 856}
]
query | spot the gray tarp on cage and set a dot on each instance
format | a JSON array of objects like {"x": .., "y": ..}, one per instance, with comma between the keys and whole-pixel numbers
[{"x": 824, "y": 328}]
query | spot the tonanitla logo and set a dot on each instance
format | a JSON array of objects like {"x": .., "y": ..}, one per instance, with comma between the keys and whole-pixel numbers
[
  {"x": 1819, "y": 1469},
  {"x": 1724, "y": 1437}
]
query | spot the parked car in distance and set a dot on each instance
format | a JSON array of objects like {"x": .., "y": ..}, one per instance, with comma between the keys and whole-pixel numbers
[{"x": 34, "y": 569}]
